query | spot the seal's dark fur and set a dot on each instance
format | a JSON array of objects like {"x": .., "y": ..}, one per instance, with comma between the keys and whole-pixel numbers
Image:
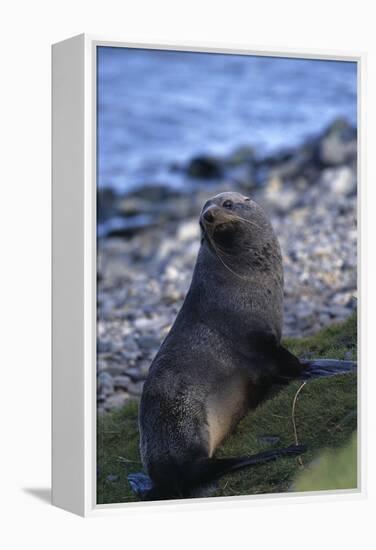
[{"x": 221, "y": 356}]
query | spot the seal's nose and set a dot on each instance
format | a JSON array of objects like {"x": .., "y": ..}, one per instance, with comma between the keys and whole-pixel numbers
[{"x": 208, "y": 216}]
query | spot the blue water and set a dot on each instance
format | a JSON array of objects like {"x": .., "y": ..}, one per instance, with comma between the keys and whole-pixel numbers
[{"x": 158, "y": 108}]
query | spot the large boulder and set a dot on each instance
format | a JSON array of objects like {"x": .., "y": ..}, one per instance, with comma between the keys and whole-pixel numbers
[
  {"x": 205, "y": 167},
  {"x": 338, "y": 144}
]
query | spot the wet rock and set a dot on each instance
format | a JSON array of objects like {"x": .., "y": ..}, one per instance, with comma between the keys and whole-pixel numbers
[{"x": 205, "y": 167}]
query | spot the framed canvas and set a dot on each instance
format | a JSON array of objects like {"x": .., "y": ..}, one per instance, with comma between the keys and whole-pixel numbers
[{"x": 206, "y": 275}]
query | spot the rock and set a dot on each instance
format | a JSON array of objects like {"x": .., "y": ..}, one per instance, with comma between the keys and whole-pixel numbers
[
  {"x": 149, "y": 343},
  {"x": 122, "y": 382},
  {"x": 101, "y": 398},
  {"x": 188, "y": 231},
  {"x": 150, "y": 324},
  {"x": 106, "y": 204},
  {"x": 133, "y": 206},
  {"x": 171, "y": 273},
  {"x": 135, "y": 388},
  {"x": 243, "y": 177},
  {"x": 340, "y": 181},
  {"x": 339, "y": 312},
  {"x": 105, "y": 384},
  {"x": 103, "y": 346},
  {"x": 172, "y": 295},
  {"x": 114, "y": 370},
  {"x": 205, "y": 167},
  {"x": 241, "y": 155},
  {"x": 138, "y": 373},
  {"x": 130, "y": 345},
  {"x": 155, "y": 193},
  {"x": 126, "y": 227},
  {"x": 116, "y": 401},
  {"x": 279, "y": 196},
  {"x": 338, "y": 144}
]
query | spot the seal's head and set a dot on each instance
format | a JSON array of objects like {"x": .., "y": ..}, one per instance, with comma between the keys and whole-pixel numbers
[{"x": 233, "y": 223}]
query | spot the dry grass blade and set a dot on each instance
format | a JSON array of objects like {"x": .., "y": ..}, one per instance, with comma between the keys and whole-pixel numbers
[
  {"x": 122, "y": 459},
  {"x": 293, "y": 420}
]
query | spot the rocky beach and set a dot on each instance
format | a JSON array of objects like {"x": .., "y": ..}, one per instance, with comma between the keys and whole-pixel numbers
[{"x": 148, "y": 241}]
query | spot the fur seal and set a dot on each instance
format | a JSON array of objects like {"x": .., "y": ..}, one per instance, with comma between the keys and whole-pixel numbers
[{"x": 221, "y": 356}]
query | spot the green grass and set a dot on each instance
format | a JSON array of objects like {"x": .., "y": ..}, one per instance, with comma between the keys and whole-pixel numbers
[
  {"x": 332, "y": 470},
  {"x": 338, "y": 341},
  {"x": 325, "y": 418}
]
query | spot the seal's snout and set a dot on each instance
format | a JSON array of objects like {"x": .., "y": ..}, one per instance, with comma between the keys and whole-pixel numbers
[
  {"x": 212, "y": 215},
  {"x": 208, "y": 216}
]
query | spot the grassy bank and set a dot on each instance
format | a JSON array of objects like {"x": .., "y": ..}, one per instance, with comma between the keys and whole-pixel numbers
[{"x": 325, "y": 418}]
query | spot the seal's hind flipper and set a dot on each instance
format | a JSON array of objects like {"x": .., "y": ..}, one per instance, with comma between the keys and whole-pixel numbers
[
  {"x": 319, "y": 368},
  {"x": 213, "y": 468},
  {"x": 141, "y": 484}
]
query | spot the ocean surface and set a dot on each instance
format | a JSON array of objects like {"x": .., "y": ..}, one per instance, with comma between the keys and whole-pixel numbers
[{"x": 158, "y": 108}]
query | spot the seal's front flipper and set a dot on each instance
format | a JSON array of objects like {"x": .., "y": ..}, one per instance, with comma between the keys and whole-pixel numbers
[
  {"x": 141, "y": 485},
  {"x": 285, "y": 366},
  {"x": 319, "y": 368},
  {"x": 289, "y": 366}
]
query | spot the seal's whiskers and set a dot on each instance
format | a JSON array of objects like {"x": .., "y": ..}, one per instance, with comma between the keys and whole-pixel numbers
[{"x": 218, "y": 254}]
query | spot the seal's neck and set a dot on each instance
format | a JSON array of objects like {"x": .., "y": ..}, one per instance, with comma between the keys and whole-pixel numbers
[{"x": 234, "y": 300}]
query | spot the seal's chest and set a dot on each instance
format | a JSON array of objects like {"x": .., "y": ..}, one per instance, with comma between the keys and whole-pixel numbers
[{"x": 224, "y": 409}]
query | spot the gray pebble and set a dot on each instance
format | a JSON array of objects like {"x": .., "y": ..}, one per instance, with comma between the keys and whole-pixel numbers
[{"x": 122, "y": 382}]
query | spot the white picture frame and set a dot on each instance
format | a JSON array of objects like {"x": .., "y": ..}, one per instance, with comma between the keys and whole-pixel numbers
[{"x": 74, "y": 276}]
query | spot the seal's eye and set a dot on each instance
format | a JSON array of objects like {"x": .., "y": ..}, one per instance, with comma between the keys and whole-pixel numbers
[
  {"x": 247, "y": 199},
  {"x": 227, "y": 204}
]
